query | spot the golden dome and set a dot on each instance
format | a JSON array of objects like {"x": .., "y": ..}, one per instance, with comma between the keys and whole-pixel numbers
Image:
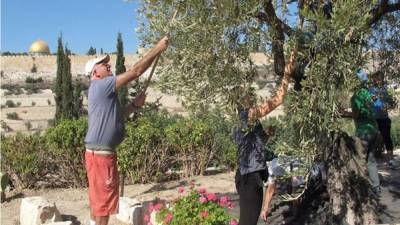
[{"x": 40, "y": 47}]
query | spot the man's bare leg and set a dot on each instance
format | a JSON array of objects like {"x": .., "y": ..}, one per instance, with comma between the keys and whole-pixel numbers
[
  {"x": 102, "y": 220},
  {"x": 92, "y": 219}
]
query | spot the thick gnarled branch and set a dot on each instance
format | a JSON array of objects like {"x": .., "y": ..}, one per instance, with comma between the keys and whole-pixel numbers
[
  {"x": 278, "y": 30},
  {"x": 383, "y": 8}
]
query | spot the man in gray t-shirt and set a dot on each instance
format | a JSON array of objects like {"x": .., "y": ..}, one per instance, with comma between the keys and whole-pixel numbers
[
  {"x": 104, "y": 112},
  {"x": 106, "y": 129}
]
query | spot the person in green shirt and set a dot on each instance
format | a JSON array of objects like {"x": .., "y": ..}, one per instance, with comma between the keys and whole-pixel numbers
[{"x": 366, "y": 126}]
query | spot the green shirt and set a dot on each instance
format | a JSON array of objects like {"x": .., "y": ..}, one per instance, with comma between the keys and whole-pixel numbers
[{"x": 362, "y": 108}]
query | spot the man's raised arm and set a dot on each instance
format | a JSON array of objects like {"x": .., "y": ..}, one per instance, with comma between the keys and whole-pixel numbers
[{"x": 140, "y": 67}]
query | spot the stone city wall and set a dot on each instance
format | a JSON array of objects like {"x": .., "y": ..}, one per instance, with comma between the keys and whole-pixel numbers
[
  {"x": 15, "y": 69},
  {"x": 48, "y": 63}
]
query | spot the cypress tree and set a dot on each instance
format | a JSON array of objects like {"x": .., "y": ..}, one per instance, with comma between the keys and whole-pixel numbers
[
  {"x": 63, "y": 86},
  {"x": 119, "y": 69},
  {"x": 67, "y": 87},
  {"x": 77, "y": 103},
  {"x": 59, "y": 80},
  {"x": 91, "y": 51}
]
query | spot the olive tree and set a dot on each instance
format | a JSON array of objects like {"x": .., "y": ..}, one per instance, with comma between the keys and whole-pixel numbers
[{"x": 210, "y": 54}]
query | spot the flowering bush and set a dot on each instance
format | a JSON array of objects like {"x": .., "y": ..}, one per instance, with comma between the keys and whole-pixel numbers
[{"x": 198, "y": 207}]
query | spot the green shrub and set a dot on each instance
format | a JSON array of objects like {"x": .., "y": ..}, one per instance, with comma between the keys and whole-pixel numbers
[
  {"x": 31, "y": 80},
  {"x": 395, "y": 131},
  {"x": 13, "y": 116},
  {"x": 223, "y": 148},
  {"x": 3, "y": 182},
  {"x": 10, "y": 104},
  {"x": 192, "y": 140},
  {"x": 28, "y": 125},
  {"x": 55, "y": 159},
  {"x": 34, "y": 68},
  {"x": 23, "y": 158},
  {"x": 154, "y": 144},
  {"x": 51, "y": 122},
  {"x": 13, "y": 91},
  {"x": 5, "y": 126},
  {"x": 31, "y": 88},
  {"x": 66, "y": 147},
  {"x": 144, "y": 152}
]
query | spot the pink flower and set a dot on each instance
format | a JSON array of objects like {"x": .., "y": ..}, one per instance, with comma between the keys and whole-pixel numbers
[
  {"x": 146, "y": 218},
  {"x": 203, "y": 199},
  {"x": 212, "y": 197},
  {"x": 231, "y": 205},
  {"x": 149, "y": 223},
  {"x": 202, "y": 190},
  {"x": 204, "y": 214},
  {"x": 151, "y": 207},
  {"x": 224, "y": 201},
  {"x": 181, "y": 189},
  {"x": 168, "y": 218},
  {"x": 157, "y": 207},
  {"x": 233, "y": 222}
]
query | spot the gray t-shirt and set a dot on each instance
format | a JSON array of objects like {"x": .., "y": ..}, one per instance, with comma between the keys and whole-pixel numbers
[{"x": 106, "y": 124}]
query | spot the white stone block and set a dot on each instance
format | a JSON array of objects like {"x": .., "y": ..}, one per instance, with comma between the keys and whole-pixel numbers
[
  {"x": 60, "y": 223},
  {"x": 37, "y": 210},
  {"x": 130, "y": 211}
]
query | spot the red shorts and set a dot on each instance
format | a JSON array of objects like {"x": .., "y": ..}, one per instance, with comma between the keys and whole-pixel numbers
[{"x": 103, "y": 183}]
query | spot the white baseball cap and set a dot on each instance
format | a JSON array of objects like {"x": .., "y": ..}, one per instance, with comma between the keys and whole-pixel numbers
[{"x": 91, "y": 63}]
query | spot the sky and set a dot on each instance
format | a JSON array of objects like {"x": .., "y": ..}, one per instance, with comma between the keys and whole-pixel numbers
[{"x": 83, "y": 23}]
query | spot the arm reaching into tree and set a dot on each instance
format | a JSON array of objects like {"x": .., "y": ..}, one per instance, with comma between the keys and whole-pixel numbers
[
  {"x": 361, "y": 106},
  {"x": 267, "y": 201},
  {"x": 346, "y": 114},
  {"x": 140, "y": 67},
  {"x": 269, "y": 105}
]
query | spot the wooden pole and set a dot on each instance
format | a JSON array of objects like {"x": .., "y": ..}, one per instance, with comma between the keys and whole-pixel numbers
[
  {"x": 156, "y": 60},
  {"x": 144, "y": 90}
]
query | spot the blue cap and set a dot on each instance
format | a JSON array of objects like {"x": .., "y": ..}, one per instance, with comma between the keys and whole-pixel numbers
[{"x": 362, "y": 75}]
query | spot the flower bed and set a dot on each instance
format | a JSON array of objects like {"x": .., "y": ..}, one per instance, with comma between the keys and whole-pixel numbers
[{"x": 196, "y": 207}]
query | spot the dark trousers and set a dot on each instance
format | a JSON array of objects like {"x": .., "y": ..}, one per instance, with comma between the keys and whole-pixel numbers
[
  {"x": 384, "y": 128},
  {"x": 250, "y": 190}
]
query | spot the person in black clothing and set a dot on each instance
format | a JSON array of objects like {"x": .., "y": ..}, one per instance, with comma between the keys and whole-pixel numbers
[
  {"x": 250, "y": 139},
  {"x": 381, "y": 105}
]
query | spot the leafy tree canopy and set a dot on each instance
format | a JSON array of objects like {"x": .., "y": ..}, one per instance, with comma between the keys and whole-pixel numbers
[{"x": 211, "y": 42}]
